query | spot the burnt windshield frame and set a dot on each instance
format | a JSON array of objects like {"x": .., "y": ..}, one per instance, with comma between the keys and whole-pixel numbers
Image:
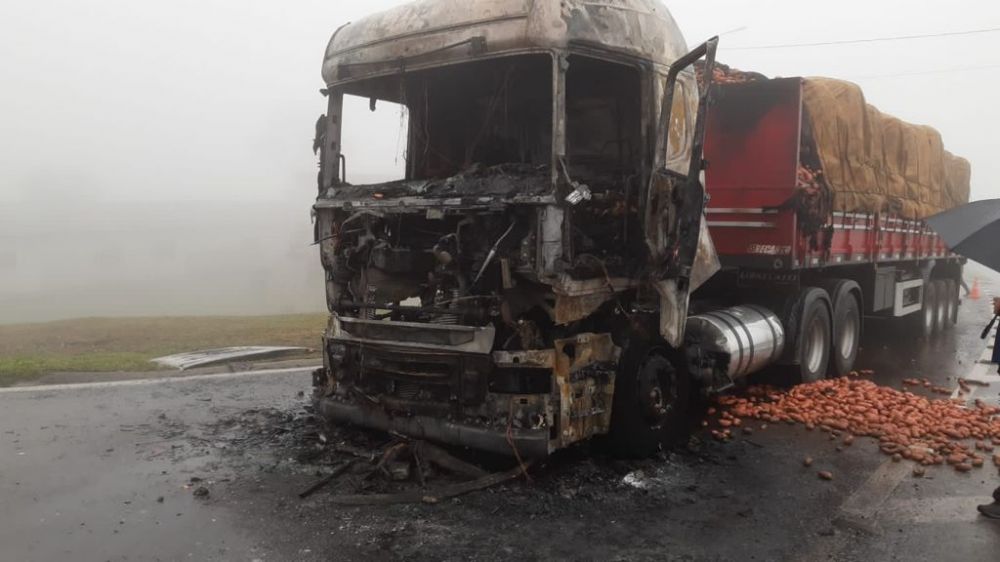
[{"x": 400, "y": 88}]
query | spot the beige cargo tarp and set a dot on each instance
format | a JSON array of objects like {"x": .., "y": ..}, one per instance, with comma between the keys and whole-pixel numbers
[
  {"x": 958, "y": 177},
  {"x": 875, "y": 162}
]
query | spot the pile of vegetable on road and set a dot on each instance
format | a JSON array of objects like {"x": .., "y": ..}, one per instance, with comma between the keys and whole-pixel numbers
[{"x": 907, "y": 426}]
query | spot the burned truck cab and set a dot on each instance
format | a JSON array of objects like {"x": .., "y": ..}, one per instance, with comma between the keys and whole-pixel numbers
[{"x": 496, "y": 296}]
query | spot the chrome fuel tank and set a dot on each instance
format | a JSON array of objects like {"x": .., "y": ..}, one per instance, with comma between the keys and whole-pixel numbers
[{"x": 751, "y": 335}]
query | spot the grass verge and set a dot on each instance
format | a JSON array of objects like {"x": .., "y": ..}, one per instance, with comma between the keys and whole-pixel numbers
[{"x": 28, "y": 351}]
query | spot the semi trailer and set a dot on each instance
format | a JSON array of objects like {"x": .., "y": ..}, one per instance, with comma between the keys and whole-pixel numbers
[{"x": 591, "y": 232}]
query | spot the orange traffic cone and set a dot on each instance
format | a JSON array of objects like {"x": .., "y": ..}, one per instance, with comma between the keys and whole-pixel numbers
[{"x": 974, "y": 293}]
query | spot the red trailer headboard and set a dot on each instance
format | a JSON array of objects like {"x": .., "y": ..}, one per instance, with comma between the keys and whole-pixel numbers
[{"x": 752, "y": 149}]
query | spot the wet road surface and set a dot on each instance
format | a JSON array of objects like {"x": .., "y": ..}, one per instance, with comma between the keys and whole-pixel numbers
[{"x": 109, "y": 472}]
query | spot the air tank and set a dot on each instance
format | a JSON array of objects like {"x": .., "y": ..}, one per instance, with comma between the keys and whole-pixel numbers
[{"x": 751, "y": 335}]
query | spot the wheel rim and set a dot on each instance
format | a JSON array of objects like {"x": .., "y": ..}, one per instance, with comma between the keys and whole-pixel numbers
[
  {"x": 657, "y": 389},
  {"x": 815, "y": 344},
  {"x": 848, "y": 335}
]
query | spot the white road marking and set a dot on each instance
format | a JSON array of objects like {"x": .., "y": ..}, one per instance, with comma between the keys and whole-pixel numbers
[
  {"x": 947, "y": 509},
  {"x": 869, "y": 498},
  {"x": 162, "y": 380},
  {"x": 980, "y": 372},
  {"x": 867, "y": 502},
  {"x": 861, "y": 512}
]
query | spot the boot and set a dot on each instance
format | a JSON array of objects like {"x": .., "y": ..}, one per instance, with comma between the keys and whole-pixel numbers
[{"x": 992, "y": 510}]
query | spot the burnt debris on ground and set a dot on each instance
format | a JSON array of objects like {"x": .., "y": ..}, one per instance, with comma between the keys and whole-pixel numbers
[
  {"x": 352, "y": 466},
  {"x": 355, "y": 466}
]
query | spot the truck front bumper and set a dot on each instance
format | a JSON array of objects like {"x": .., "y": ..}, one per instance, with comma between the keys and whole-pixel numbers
[{"x": 444, "y": 383}]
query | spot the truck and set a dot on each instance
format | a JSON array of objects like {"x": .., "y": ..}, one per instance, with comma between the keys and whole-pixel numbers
[{"x": 597, "y": 226}]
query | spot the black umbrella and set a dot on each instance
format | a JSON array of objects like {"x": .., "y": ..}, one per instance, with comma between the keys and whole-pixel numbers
[{"x": 972, "y": 230}]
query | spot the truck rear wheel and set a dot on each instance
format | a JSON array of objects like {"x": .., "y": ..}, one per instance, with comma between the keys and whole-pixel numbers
[
  {"x": 846, "y": 333},
  {"x": 815, "y": 339},
  {"x": 951, "y": 294},
  {"x": 651, "y": 402},
  {"x": 942, "y": 311},
  {"x": 927, "y": 319}
]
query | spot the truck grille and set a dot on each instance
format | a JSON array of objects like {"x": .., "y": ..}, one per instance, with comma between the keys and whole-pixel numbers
[{"x": 414, "y": 375}]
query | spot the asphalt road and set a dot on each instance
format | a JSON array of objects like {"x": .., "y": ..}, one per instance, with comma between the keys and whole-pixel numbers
[{"x": 108, "y": 471}]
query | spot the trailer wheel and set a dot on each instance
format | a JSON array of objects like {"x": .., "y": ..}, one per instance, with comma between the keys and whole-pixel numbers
[
  {"x": 651, "y": 402},
  {"x": 846, "y": 333},
  {"x": 951, "y": 293},
  {"x": 942, "y": 310},
  {"x": 815, "y": 341},
  {"x": 927, "y": 319}
]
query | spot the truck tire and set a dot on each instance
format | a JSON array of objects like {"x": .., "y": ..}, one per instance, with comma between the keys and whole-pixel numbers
[
  {"x": 846, "y": 333},
  {"x": 951, "y": 291},
  {"x": 941, "y": 316},
  {"x": 926, "y": 320},
  {"x": 815, "y": 340},
  {"x": 653, "y": 397}
]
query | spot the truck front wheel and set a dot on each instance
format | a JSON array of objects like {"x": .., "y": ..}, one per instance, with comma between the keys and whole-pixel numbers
[{"x": 651, "y": 402}]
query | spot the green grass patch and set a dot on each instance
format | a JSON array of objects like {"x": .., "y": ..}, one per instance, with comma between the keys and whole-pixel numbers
[
  {"x": 22, "y": 368},
  {"x": 28, "y": 351}
]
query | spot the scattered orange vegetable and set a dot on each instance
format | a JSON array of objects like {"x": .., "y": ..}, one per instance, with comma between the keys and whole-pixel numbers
[{"x": 907, "y": 426}]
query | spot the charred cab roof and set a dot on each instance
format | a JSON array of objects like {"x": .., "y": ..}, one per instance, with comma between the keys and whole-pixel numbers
[{"x": 429, "y": 33}]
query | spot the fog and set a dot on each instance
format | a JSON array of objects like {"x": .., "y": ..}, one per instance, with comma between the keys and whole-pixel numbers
[{"x": 156, "y": 156}]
